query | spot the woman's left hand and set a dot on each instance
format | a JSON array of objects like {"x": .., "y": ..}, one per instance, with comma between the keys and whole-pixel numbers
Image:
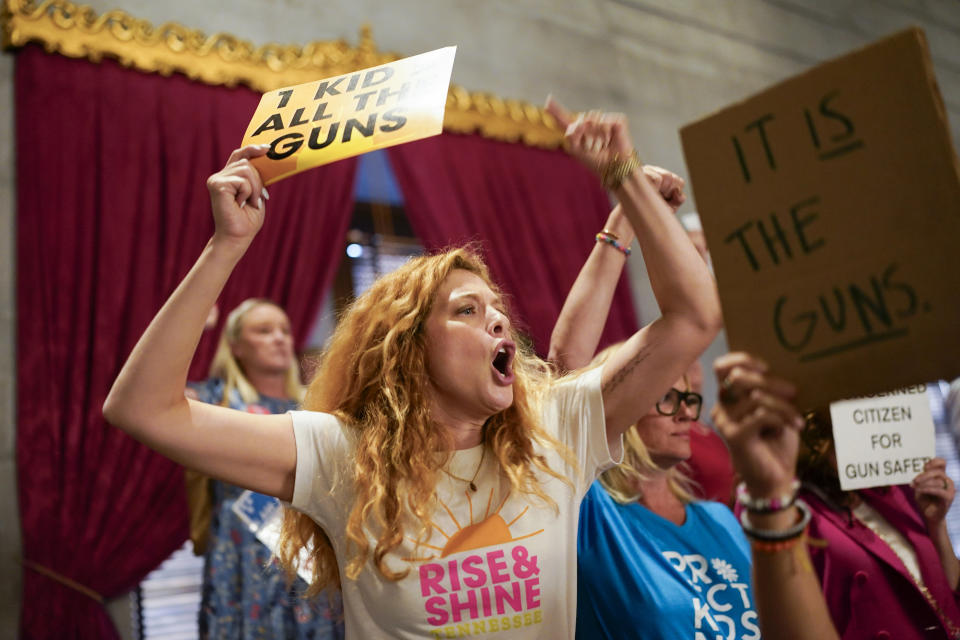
[
  {"x": 933, "y": 491},
  {"x": 668, "y": 184}
]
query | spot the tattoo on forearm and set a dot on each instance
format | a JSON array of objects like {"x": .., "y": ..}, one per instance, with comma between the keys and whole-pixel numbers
[{"x": 622, "y": 374}]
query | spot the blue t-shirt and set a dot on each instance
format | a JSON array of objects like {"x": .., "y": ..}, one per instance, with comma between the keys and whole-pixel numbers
[{"x": 642, "y": 576}]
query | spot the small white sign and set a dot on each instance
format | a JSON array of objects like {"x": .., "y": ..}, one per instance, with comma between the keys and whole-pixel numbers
[
  {"x": 255, "y": 509},
  {"x": 883, "y": 439},
  {"x": 264, "y": 516}
]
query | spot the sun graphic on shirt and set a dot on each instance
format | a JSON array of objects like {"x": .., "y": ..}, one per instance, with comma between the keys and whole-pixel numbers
[{"x": 491, "y": 529}]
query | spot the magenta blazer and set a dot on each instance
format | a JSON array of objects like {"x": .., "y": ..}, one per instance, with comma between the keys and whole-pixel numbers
[{"x": 868, "y": 589}]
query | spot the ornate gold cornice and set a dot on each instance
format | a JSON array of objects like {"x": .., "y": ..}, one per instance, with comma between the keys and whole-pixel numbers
[{"x": 77, "y": 31}]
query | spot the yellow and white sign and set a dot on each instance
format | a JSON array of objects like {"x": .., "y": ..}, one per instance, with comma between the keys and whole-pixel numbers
[{"x": 320, "y": 122}]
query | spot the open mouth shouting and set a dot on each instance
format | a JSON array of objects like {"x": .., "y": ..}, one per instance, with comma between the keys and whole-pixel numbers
[{"x": 503, "y": 362}]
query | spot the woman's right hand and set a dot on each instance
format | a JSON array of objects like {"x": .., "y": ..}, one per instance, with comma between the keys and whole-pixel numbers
[
  {"x": 594, "y": 138},
  {"x": 762, "y": 428},
  {"x": 237, "y": 196}
]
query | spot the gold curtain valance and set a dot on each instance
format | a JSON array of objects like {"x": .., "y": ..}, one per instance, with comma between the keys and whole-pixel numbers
[{"x": 221, "y": 59}]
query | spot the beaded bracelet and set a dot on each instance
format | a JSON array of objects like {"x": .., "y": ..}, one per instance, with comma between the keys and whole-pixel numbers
[
  {"x": 766, "y": 505},
  {"x": 776, "y": 547},
  {"x": 603, "y": 236},
  {"x": 771, "y": 535}
]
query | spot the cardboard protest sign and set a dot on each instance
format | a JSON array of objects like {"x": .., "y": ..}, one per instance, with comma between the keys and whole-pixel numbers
[
  {"x": 883, "y": 439},
  {"x": 831, "y": 206},
  {"x": 320, "y": 122}
]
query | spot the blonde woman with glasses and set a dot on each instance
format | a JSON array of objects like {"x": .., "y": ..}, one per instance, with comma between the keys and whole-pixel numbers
[{"x": 653, "y": 562}]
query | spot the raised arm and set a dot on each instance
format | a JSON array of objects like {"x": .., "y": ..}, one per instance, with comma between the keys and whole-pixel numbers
[
  {"x": 638, "y": 373},
  {"x": 762, "y": 428},
  {"x": 147, "y": 399},
  {"x": 584, "y": 314}
]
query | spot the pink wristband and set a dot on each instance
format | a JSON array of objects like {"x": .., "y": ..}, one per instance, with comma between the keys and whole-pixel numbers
[{"x": 767, "y": 505}]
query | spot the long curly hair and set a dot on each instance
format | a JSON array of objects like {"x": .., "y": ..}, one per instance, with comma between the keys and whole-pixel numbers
[{"x": 373, "y": 378}]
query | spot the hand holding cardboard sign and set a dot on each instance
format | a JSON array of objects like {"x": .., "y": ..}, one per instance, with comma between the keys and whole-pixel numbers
[
  {"x": 762, "y": 427},
  {"x": 237, "y": 197}
]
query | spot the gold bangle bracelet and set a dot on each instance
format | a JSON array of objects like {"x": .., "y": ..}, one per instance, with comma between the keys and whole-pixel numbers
[{"x": 614, "y": 172}]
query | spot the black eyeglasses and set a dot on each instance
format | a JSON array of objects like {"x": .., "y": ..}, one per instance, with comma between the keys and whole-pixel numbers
[{"x": 669, "y": 404}]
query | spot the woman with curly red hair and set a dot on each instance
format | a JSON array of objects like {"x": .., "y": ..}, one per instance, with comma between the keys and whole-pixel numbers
[{"x": 438, "y": 470}]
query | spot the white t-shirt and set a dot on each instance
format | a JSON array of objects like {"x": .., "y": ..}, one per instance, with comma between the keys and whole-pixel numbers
[{"x": 496, "y": 565}]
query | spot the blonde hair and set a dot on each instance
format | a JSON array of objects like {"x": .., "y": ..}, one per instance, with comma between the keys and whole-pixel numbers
[
  {"x": 623, "y": 481},
  {"x": 373, "y": 378},
  {"x": 226, "y": 367}
]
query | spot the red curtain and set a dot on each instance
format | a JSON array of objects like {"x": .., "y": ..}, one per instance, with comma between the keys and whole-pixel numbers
[
  {"x": 112, "y": 211},
  {"x": 535, "y": 212}
]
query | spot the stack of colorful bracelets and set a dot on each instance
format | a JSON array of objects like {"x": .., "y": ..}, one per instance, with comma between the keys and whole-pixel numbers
[
  {"x": 769, "y": 541},
  {"x": 613, "y": 240}
]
